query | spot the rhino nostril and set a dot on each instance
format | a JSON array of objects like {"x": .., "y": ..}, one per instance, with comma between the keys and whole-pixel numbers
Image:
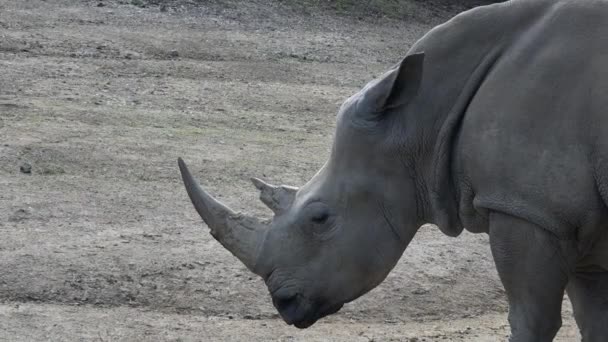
[
  {"x": 288, "y": 307},
  {"x": 286, "y": 304}
]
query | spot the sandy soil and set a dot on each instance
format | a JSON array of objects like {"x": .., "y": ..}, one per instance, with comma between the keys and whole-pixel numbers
[{"x": 100, "y": 242}]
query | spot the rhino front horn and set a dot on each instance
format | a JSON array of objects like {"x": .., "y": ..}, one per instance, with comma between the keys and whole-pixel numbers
[
  {"x": 241, "y": 235},
  {"x": 277, "y": 198}
]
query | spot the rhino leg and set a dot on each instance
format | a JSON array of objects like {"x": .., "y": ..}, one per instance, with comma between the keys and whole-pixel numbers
[
  {"x": 589, "y": 295},
  {"x": 533, "y": 269}
]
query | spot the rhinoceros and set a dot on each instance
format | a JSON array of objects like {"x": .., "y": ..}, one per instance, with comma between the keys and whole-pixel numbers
[{"x": 497, "y": 122}]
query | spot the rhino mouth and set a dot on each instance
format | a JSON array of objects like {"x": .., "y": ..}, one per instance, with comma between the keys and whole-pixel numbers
[
  {"x": 300, "y": 312},
  {"x": 329, "y": 311}
]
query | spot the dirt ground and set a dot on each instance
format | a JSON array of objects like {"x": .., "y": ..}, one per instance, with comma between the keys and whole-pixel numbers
[{"x": 100, "y": 243}]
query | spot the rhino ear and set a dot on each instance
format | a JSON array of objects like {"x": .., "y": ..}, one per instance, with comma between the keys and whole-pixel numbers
[
  {"x": 400, "y": 85},
  {"x": 277, "y": 198},
  {"x": 407, "y": 81}
]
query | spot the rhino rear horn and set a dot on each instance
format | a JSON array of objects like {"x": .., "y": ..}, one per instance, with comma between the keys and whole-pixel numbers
[
  {"x": 240, "y": 234},
  {"x": 277, "y": 198}
]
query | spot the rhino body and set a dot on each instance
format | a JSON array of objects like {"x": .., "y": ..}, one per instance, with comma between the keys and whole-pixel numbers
[{"x": 496, "y": 122}]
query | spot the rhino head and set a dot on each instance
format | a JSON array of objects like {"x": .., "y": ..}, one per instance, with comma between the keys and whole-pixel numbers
[{"x": 340, "y": 234}]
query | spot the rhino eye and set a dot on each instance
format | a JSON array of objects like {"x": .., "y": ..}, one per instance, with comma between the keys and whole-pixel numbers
[
  {"x": 320, "y": 218},
  {"x": 318, "y": 213}
]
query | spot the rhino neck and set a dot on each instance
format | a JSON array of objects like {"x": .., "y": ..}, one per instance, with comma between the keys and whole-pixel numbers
[
  {"x": 456, "y": 66},
  {"x": 444, "y": 193}
]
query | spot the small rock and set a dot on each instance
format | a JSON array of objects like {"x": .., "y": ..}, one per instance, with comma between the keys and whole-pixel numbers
[
  {"x": 138, "y": 3},
  {"x": 21, "y": 215},
  {"x": 26, "y": 168},
  {"x": 173, "y": 54},
  {"x": 420, "y": 291},
  {"x": 132, "y": 55},
  {"x": 100, "y": 4}
]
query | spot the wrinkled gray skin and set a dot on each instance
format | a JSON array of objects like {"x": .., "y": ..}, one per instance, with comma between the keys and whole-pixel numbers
[{"x": 495, "y": 121}]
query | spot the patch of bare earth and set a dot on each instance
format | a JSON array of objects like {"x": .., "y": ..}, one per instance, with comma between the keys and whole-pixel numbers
[{"x": 99, "y": 241}]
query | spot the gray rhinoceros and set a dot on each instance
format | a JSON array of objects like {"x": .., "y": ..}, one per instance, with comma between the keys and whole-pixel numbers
[{"x": 496, "y": 121}]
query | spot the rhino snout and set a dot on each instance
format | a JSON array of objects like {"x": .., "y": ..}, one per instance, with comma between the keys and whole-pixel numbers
[
  {"x": 291, "y": 307},
  {"x": 297, "y": 310}
]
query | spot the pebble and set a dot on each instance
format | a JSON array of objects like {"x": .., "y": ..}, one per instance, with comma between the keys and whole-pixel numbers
[
  {"x": 26, "y": 168},
  {"x": 420, "y": 291},
  {"x": 21, "y": 215},
  {"x": 132, "y": 55}
]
